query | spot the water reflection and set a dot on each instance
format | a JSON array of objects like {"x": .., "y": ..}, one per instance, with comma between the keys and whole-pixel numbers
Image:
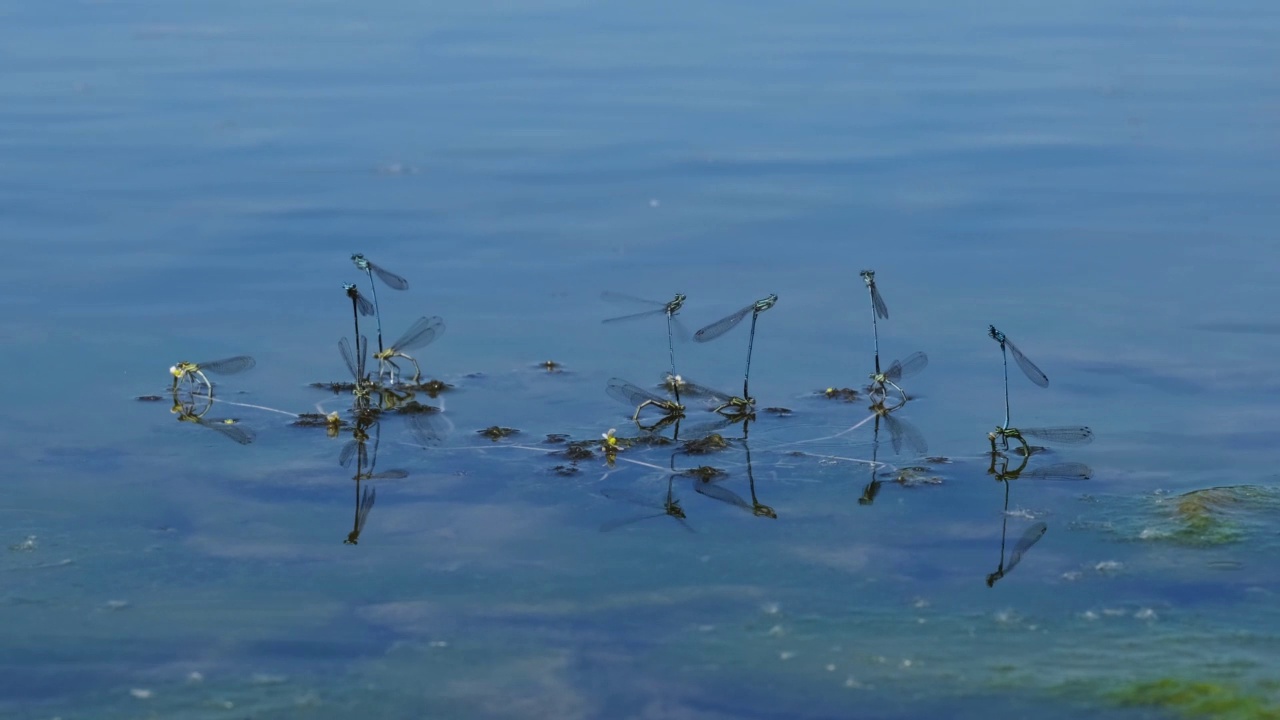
[
  {"x": 669, "y": 506},
  {"x": 902, "y": 434},
  {"x": 194, "y": 408},
  {"x": 1032, "y": 535},
  {"x": 710, "y": 484}
]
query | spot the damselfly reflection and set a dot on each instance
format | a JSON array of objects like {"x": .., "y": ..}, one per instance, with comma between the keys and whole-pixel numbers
[
  {"x": 669, "y": 309},
  {"x": 902, "y": 434},
  {"x": 423, "y": 332},
  {"x": 364, "y": 505},
  {"x": 669, "y": 506},
  {"x": 393, "y": 281},
  {"x": 1060, "y": 471},
  {"x": 429, "y": 429},
  {"x": 366, "y": 436},
  {"x": 912, "y": 365},
  {"x": 710, "y": 485},
  {"x": 191, "y": 371},
  {"x": 629, "y": 394},
  {"x": 1029, "y": 537},
  {"x": 1033, "y": 373},
  {"x": 729, "y": 322},
  {"x": 189, "y": 410}
]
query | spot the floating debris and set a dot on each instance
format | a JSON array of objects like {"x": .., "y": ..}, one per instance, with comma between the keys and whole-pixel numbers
[
  {"x": 709, "y": 444},
  {"x": 846, "y": 394},
  {"x": 705, "y": 473},
  {"x": 911, "y": 477},
  {"x": 413, "y": 407},
  {"x": 149, "y": 398},
  {"x": 432, "y": 388},
  {"x": 496, "y": 432},
  {"x": 336, "y": 388}
]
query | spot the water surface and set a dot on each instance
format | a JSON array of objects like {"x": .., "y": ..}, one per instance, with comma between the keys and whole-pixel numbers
[{"x": 182, "y": 183}]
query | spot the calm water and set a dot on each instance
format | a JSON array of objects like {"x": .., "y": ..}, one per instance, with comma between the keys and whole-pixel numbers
[{"x": 1097, "y": 179}]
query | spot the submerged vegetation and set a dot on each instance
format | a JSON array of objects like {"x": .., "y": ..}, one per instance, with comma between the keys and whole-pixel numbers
[{"x": 1198, "y": 699}]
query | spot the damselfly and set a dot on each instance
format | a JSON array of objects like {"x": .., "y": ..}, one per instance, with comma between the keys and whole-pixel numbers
[
  {"x": 629, "y": 394},
  {"x": 878, "y": 310},
  {"x": 393, "y": 281},
  {"x": 420, "y": 334},
  {"x": 912, "y": 365},
  {"x": 355, "y": 361},
  {"x": 226, "y": 366},
  {"x": 1075, "y": 435},
  {"x": 724, "y": 403},
  {"x": 669, "y": 309},
  {"x": 1033, "y": 373},
  {"x": 729, "y": 322},
  {"x": 360, "y": 305}
]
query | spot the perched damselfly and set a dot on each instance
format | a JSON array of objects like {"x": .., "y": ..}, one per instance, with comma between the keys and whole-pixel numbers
[
  {"x": 628, "y": 394},
  {"x": 724, "y": 403},
  {"x": 729, "y": 322},
  {"x": 393, "y": 281},
  {"x": 669, "y": 309},
  {"x": 878, "y": 310},
  {"x": 912, "y": 365},
  {"x": 1073, "y": 435},
  {"x": 227, "y": 366},
  {"x": 1033, "y": 373},
  {"x": 355, "y": 362},
  {"x": 423, "y": 332}
]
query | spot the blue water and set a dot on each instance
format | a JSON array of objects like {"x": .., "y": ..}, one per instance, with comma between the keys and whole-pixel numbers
[{"x": 1097, "y": 179}]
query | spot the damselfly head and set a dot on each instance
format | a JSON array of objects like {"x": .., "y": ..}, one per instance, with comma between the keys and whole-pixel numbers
[
  {"x": 676, "y": 303},
  {"x": 176, "y": 370},
  {"x": 868, "y": 277},
  {"x": 766, "y": 303},
  {"x": 359, "y": 260}
]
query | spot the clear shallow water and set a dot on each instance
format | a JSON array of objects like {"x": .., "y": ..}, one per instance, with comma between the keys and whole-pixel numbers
[{"x": 1098, "y": 181}]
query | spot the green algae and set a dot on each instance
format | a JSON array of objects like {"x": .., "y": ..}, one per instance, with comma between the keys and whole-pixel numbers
[
  {"x": 1194, "y": 699},
  {"x": 1219, "y": 515}
]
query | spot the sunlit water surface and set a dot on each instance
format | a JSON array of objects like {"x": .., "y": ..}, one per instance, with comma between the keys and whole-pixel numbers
[{"x": 1098, "y": 179}]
